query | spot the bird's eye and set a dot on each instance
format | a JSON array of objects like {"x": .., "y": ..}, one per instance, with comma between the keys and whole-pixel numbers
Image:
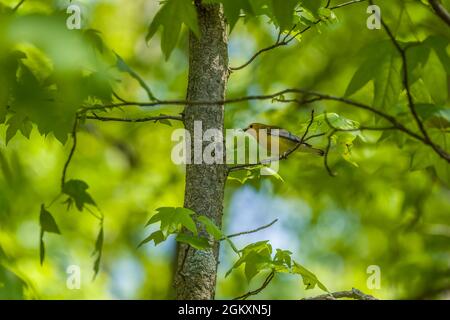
[{"x": 251, "y": 126}]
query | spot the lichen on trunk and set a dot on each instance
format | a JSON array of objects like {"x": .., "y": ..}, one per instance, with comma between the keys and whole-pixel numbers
[{"x": 205, "y": 183}]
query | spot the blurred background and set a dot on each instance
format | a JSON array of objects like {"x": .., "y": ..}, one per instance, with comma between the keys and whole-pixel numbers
[{"x": 382, "y": 211}]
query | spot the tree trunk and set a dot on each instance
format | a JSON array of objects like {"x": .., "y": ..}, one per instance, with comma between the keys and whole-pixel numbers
[{"x": 205, "y": 183}]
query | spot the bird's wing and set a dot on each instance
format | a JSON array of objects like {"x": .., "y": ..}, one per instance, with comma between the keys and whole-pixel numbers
[
  {"x": 287, "y": 136},
  {"x": 282, "y": 133}
]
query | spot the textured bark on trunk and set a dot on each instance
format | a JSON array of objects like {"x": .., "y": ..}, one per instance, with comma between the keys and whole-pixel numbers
[{"x": 204, "y": 190}]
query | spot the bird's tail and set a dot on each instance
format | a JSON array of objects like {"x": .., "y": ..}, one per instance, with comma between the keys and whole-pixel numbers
[{"x": 309, "y": 149}]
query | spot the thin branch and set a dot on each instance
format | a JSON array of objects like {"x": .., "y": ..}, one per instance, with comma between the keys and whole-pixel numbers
[
  {"x": 318, "y": 135},
  {"x": 307, "y": 128},
  {"x": 288, "y": 38},
  {"x": 327, "y": 152},
  {"x": 71, "y": 153},
  {"x": 255, "y": 292},
  {"x": 146, "y": 119},
  {"x": 391, "y": 119},
  {"x": 249, "y": 232},
  {"x": 18, "y": 6},
  {"x": 440, "y": 11},
  {"x": 351, "y": 294},
  {"x": 258, "y": 53},
  {"x": 338, "y": 6}
]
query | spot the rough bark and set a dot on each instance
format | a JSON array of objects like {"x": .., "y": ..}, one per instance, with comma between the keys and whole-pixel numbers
[{"x": 204, "y": 190}]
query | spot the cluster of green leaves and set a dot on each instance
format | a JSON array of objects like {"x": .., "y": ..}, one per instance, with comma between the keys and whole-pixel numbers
[
  {"x": 178, "y": 221},
  {"x": 13, "y": 285},
  {"x": 255, "y": 257},
  {"x": 428, "y": 68},
  {"x": 287, "y": 15},
  {"x": 336, "y": 131},
  {"x": 76, "y": 192},
  {"x": 48, "y": 73},
  {"x": 258, "y": 257}
]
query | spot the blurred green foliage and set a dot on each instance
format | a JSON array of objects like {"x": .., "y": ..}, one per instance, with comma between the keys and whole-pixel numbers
[{"x": 388, "y": 205}]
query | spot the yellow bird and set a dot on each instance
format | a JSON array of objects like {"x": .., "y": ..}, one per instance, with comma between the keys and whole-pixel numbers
[{"x": 286, "y": 140}]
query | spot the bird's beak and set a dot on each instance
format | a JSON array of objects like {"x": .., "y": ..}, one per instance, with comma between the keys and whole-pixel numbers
[{"x": 245, "y": 129}]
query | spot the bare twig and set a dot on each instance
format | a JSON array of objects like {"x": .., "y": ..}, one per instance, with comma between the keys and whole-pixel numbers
[
  {"x": 440, "y": 11},
  {"x": 341, "y": 5},
  {"x": 146, "y": 119},
  {"x": 288, "y": 38},
  {"x": 351, "y": 294},
  {"x": 71, "y": 153},
  {"x": 250, "y": 231},
  {"x": 255, "y": 292},
  {"x": 256, "y": 55},
  {"x": 18, "y": 5}
]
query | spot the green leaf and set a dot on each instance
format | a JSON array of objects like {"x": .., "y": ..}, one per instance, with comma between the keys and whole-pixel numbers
[
  {"x": 255, "y": 257},
  {"x": 283, "y": 256},
  {"x": 439, "y": 45},
  {"x": 171, "y": 17},
  {"x": 183, "y": 217},
  {"x": 388, "y": 82},
  {"x": 98, "y": 86},
  {"x": 157, "y": 237},
  {"x": 366, "y": 72},
  {"x": 416, "y": 56},
  {"x": 93, "y": 37},
  {"x": 210, "y": 227},
  {"x": 435, "y": 79},
  {"x": 241, "y": 176},
  {"x": 9, "y": 67},
  {"x": 166, "y": 122},
  {"x": 344, "y": 143},
  {"x": 233, "y": 9},
  {"x": 309, "y": 279},
  {"x": 47, "y": 222},
  {"x": 123, "y": 66},
  {"x": 422, "y": 158},
  {"x": 98, "y": 250},
  {"x": 13, "y": 286},
  {"x": 434, "y": 116},
  {"x": 76, "y": 190},
  {"x": 41, "y": 250},
  {"x": 312, "y": 6},
  {"x": 284, "y": 12},
  {"x": 199, "y": 243},
  {"x": 18, "y": 123},
  {"x": 383, "y": 66},
  {"x": 173, "y": 219},
  {"x": 267, "y": 171}
]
